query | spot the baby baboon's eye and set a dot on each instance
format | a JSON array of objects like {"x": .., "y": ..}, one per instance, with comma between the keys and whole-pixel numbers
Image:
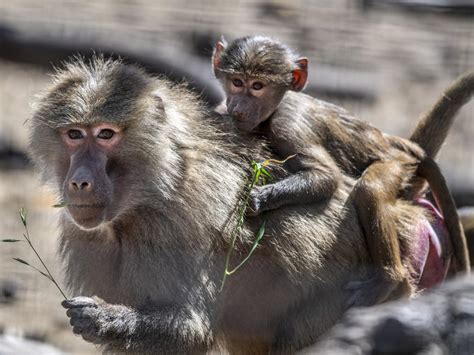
[
  {"x": 257, "y": 86},
  {"x": 238, "y": 83}
]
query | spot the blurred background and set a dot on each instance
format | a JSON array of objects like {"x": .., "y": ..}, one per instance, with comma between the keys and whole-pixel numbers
[{"x": 386, "y": 61}]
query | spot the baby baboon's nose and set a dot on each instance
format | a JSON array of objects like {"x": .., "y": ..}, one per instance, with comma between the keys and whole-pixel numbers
[{"x": 239, "y": 114}]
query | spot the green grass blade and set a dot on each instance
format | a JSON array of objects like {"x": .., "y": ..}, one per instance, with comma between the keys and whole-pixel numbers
[
  {"x": 22, "y": 212},
  {"x": 34, "y": 268},
  {"x": 257, "y": 176},
  {"x": 265, "y": 172},
  {"x": 21, "y": 261},
  {"x": 255, "y": 244},
  {"x": 44, "y": 274},
  {"x": 59, "y": 205}
]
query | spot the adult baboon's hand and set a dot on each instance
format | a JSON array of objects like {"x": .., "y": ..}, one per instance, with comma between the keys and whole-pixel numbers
[{"x": 97, "y": 321}]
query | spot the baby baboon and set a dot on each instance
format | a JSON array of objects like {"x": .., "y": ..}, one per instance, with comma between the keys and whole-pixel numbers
[
  {"x": 149, "y": 180},
  {"x": 262, "y": 78}
]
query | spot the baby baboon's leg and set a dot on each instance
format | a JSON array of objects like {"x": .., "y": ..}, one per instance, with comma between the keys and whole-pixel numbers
[{"x": 374, "y": 195}]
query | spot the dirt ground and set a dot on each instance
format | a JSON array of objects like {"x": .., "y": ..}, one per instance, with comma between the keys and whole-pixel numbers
[{"x": 413, "y": 56}]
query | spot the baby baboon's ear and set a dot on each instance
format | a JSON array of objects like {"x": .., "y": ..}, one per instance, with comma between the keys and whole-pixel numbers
[
  {"x": 217, "y": 54},
  {"x": 300, "y": 74}
]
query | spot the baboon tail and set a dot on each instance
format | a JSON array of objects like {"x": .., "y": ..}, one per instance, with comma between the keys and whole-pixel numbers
[
  {"x": 432, "y": 129},
  {"x": 429, "y": 170}
]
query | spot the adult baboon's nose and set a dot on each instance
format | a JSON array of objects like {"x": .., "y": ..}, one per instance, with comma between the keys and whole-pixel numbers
[{"x": 82, "y": 180}]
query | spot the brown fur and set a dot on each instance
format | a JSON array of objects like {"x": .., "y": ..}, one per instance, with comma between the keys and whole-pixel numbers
[
  {"x": 434, "y": 126},
  {"x": 156, "y": 264},
  {"x": 328, "y": 141}
]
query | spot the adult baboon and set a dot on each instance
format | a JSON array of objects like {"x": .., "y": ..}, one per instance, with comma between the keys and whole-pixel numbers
[{"x": 150, "y": 181}]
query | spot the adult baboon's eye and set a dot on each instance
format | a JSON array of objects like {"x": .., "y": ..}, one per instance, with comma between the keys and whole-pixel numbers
[
  {"x": 75, "y": 134},
  {"x": 238, "y": 83},
  {"x": 257, "y": 85},
  {"x": 106, "y": 134}
]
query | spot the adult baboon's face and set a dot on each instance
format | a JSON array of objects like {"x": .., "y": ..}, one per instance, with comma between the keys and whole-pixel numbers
[
  {"x": 99, "y": 141},
  {"x": 88, "y": 185}
]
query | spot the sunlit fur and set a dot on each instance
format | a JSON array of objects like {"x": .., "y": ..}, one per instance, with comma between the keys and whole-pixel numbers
[
  {"x": 159, "y": 262},
  {"x": 163, "y": 252}
]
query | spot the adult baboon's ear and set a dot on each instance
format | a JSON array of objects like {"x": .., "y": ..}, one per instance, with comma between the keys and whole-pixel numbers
[
  {"x": 217, "y": 55},
  {"x": 158, "y": 104},
  {"x": 300, "y": 74}
]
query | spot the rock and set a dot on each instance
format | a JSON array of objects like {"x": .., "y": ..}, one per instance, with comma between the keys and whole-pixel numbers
[{"x": 440, "y": 321}]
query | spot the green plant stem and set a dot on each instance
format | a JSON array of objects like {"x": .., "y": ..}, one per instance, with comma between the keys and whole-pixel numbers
[
  {"x": 254, "y": 246},
  {"x": 27, "y": 237},
  {"x": 259, "y": 173},
  {"x": 240, "y": 222}
]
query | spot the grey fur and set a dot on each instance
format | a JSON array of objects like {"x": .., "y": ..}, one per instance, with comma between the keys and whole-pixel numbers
[{"x": 156, "y": 266}]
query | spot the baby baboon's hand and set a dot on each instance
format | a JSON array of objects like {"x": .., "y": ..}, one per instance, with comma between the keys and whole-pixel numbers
[{"x": 259, "y": 200}]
